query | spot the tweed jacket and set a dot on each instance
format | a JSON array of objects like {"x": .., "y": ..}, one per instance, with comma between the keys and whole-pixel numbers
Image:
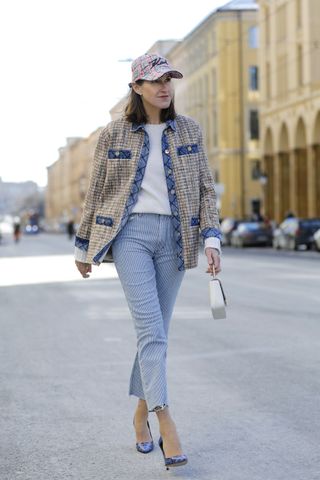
[{"x": 118, "y": 168}]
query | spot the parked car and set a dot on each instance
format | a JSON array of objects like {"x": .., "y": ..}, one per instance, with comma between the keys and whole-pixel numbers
[
  {"x": 295, "y": 232},
  {"x": 316, "y": 241},
  {"x": 227, "y": 226},
  {"x": 249, "y": 233}
]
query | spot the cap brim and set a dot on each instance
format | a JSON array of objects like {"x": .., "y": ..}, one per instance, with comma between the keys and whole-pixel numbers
[
  {"x": 157, "y": 75},
  {"x": 173, "y": 74},
  {"x": 176, "y": 74}
]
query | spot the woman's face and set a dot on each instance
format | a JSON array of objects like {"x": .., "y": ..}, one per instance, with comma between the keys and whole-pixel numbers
[{"x": 157, "y": 93}]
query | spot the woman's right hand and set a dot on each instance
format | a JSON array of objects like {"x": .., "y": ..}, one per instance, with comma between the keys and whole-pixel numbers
[{"x": 83, "y": 268}]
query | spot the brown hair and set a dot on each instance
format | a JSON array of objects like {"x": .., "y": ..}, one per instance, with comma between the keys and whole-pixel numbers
[{"x": 135, "y": 112}]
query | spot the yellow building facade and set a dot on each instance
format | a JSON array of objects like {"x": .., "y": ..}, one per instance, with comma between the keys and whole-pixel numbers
[
  {"x": 68, "y": 181},
  {"x": 290, "y": 109},
  {"x": 220, "y": 89}
]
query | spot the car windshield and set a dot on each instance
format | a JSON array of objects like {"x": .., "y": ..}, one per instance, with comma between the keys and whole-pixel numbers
[
  {"x": 313, "y": 222},
  {"x": 250, "y": 226}
]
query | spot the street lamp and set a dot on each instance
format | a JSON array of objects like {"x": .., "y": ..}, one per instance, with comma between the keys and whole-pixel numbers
[{"x": 263, "y": 179}]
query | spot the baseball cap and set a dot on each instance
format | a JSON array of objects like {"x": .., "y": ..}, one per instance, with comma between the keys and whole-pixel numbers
[{"x": 151, "y": 67}]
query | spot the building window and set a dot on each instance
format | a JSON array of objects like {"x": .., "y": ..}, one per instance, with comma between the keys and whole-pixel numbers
[
  {"x": 214, "y": 83},
  {"x": 214, "y": 43},
  {"x": 253, "y": 77},
  {"x": 281, "y": 19},
  {"x": 299, "y": 66},
  {"x": 298, "y": 13},
  {"x": 267, "y": 26},
  {"x": 268, "y": 81},
  {"x": 215, "y": 128},
  {"x": 254, "y": 125},
  {"x": 255, "y": 169},
  {"x": 282, "y": 75},
  {"x": 253, "y": 37}
]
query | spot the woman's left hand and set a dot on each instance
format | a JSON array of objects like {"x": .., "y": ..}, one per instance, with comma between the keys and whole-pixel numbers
[{"x": 213, "y": 258}]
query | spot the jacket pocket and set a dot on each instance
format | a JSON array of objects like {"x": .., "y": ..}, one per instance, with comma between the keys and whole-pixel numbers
[
  {"x": 187, "y": 149},
  {"x": 120, "y": 154},
  {"x": 195, "y": 221},
  {"x": 107, "y": 221}
]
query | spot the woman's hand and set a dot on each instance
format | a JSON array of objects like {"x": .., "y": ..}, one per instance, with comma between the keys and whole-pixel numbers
[
  {"x": 213, "y": 258},
  {"x": 83, "y": 268}
]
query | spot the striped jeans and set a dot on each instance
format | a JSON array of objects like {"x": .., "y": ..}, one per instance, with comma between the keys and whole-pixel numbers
[{"x": 144, "y": 254}]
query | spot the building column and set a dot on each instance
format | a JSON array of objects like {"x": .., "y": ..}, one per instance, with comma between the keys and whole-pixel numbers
[
  {"x": 277, "y": 188},
  {"x": 315, "y": 180},
  {"x": 268, "y": 201},
  {"x": 284, "y": 184},
  {"x": 301, "y": 179},
  {"x": 293, "y": 186},
  {"x": 311, "y": 183}
]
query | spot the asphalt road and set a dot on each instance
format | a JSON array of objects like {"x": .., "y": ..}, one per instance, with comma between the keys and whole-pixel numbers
[{"x": 244, "y": 391}]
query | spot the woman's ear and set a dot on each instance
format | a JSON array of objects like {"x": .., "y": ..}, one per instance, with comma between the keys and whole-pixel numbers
[{"x": 137, "y": 88}]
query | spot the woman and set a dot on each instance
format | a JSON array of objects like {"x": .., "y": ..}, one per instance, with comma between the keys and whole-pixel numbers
[{"x": 149, "y": 192}]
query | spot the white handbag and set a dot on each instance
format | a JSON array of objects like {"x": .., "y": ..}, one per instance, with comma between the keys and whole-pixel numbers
[{"x": 218, "y": 301}]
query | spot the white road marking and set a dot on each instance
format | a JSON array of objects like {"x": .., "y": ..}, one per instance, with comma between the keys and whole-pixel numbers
[{"x": 48, "y": 269}]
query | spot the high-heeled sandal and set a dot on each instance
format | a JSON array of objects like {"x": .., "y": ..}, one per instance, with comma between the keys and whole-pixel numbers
[
  {"x": 145, "y": 447},
  {"x": 175, "y": 461}
]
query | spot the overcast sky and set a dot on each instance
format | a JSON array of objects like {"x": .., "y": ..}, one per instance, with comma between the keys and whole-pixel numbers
[{"x": 61, "y": 72}]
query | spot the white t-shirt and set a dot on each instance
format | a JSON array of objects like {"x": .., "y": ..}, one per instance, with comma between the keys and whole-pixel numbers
[{"x": 153, "y": 193}]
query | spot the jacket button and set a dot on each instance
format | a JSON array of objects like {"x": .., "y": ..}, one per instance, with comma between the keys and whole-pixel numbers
[{"x": 166, "y": 151}]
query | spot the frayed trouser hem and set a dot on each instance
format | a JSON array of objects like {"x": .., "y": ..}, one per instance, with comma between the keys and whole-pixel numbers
[
  {"x": 154, "y": 409},
  {"x": 159, "y": 407}
]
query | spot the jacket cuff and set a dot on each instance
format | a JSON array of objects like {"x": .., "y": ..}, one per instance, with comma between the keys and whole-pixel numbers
[
  {"x": 81, "y": 243},
  {"x": 80, "y": 255},
  {"x": 212, "y": 242}
]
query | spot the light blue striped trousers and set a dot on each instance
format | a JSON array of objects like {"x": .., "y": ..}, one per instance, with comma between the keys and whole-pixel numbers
[{"x": 145, "y": 255}]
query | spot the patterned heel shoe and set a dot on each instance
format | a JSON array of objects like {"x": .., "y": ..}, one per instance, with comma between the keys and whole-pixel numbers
[
  {"x": 175, "y": 461},
  {"x": 145, "y": 447}
]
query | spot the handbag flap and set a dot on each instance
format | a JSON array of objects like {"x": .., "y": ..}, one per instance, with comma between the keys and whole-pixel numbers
[{"x": 222, "y": 291}]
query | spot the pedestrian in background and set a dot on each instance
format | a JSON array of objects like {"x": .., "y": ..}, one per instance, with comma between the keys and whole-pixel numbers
[
  {"x": 16, "y": 229},
  {"x": 70, "y": 229},
  {"x": 150, "y": 191}
]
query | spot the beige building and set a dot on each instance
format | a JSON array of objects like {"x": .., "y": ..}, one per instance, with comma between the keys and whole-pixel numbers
[
  {"x": 68, "y": 181},
  {"x": 290, "y": 111},
  {"x": 220, "y": 90}
]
